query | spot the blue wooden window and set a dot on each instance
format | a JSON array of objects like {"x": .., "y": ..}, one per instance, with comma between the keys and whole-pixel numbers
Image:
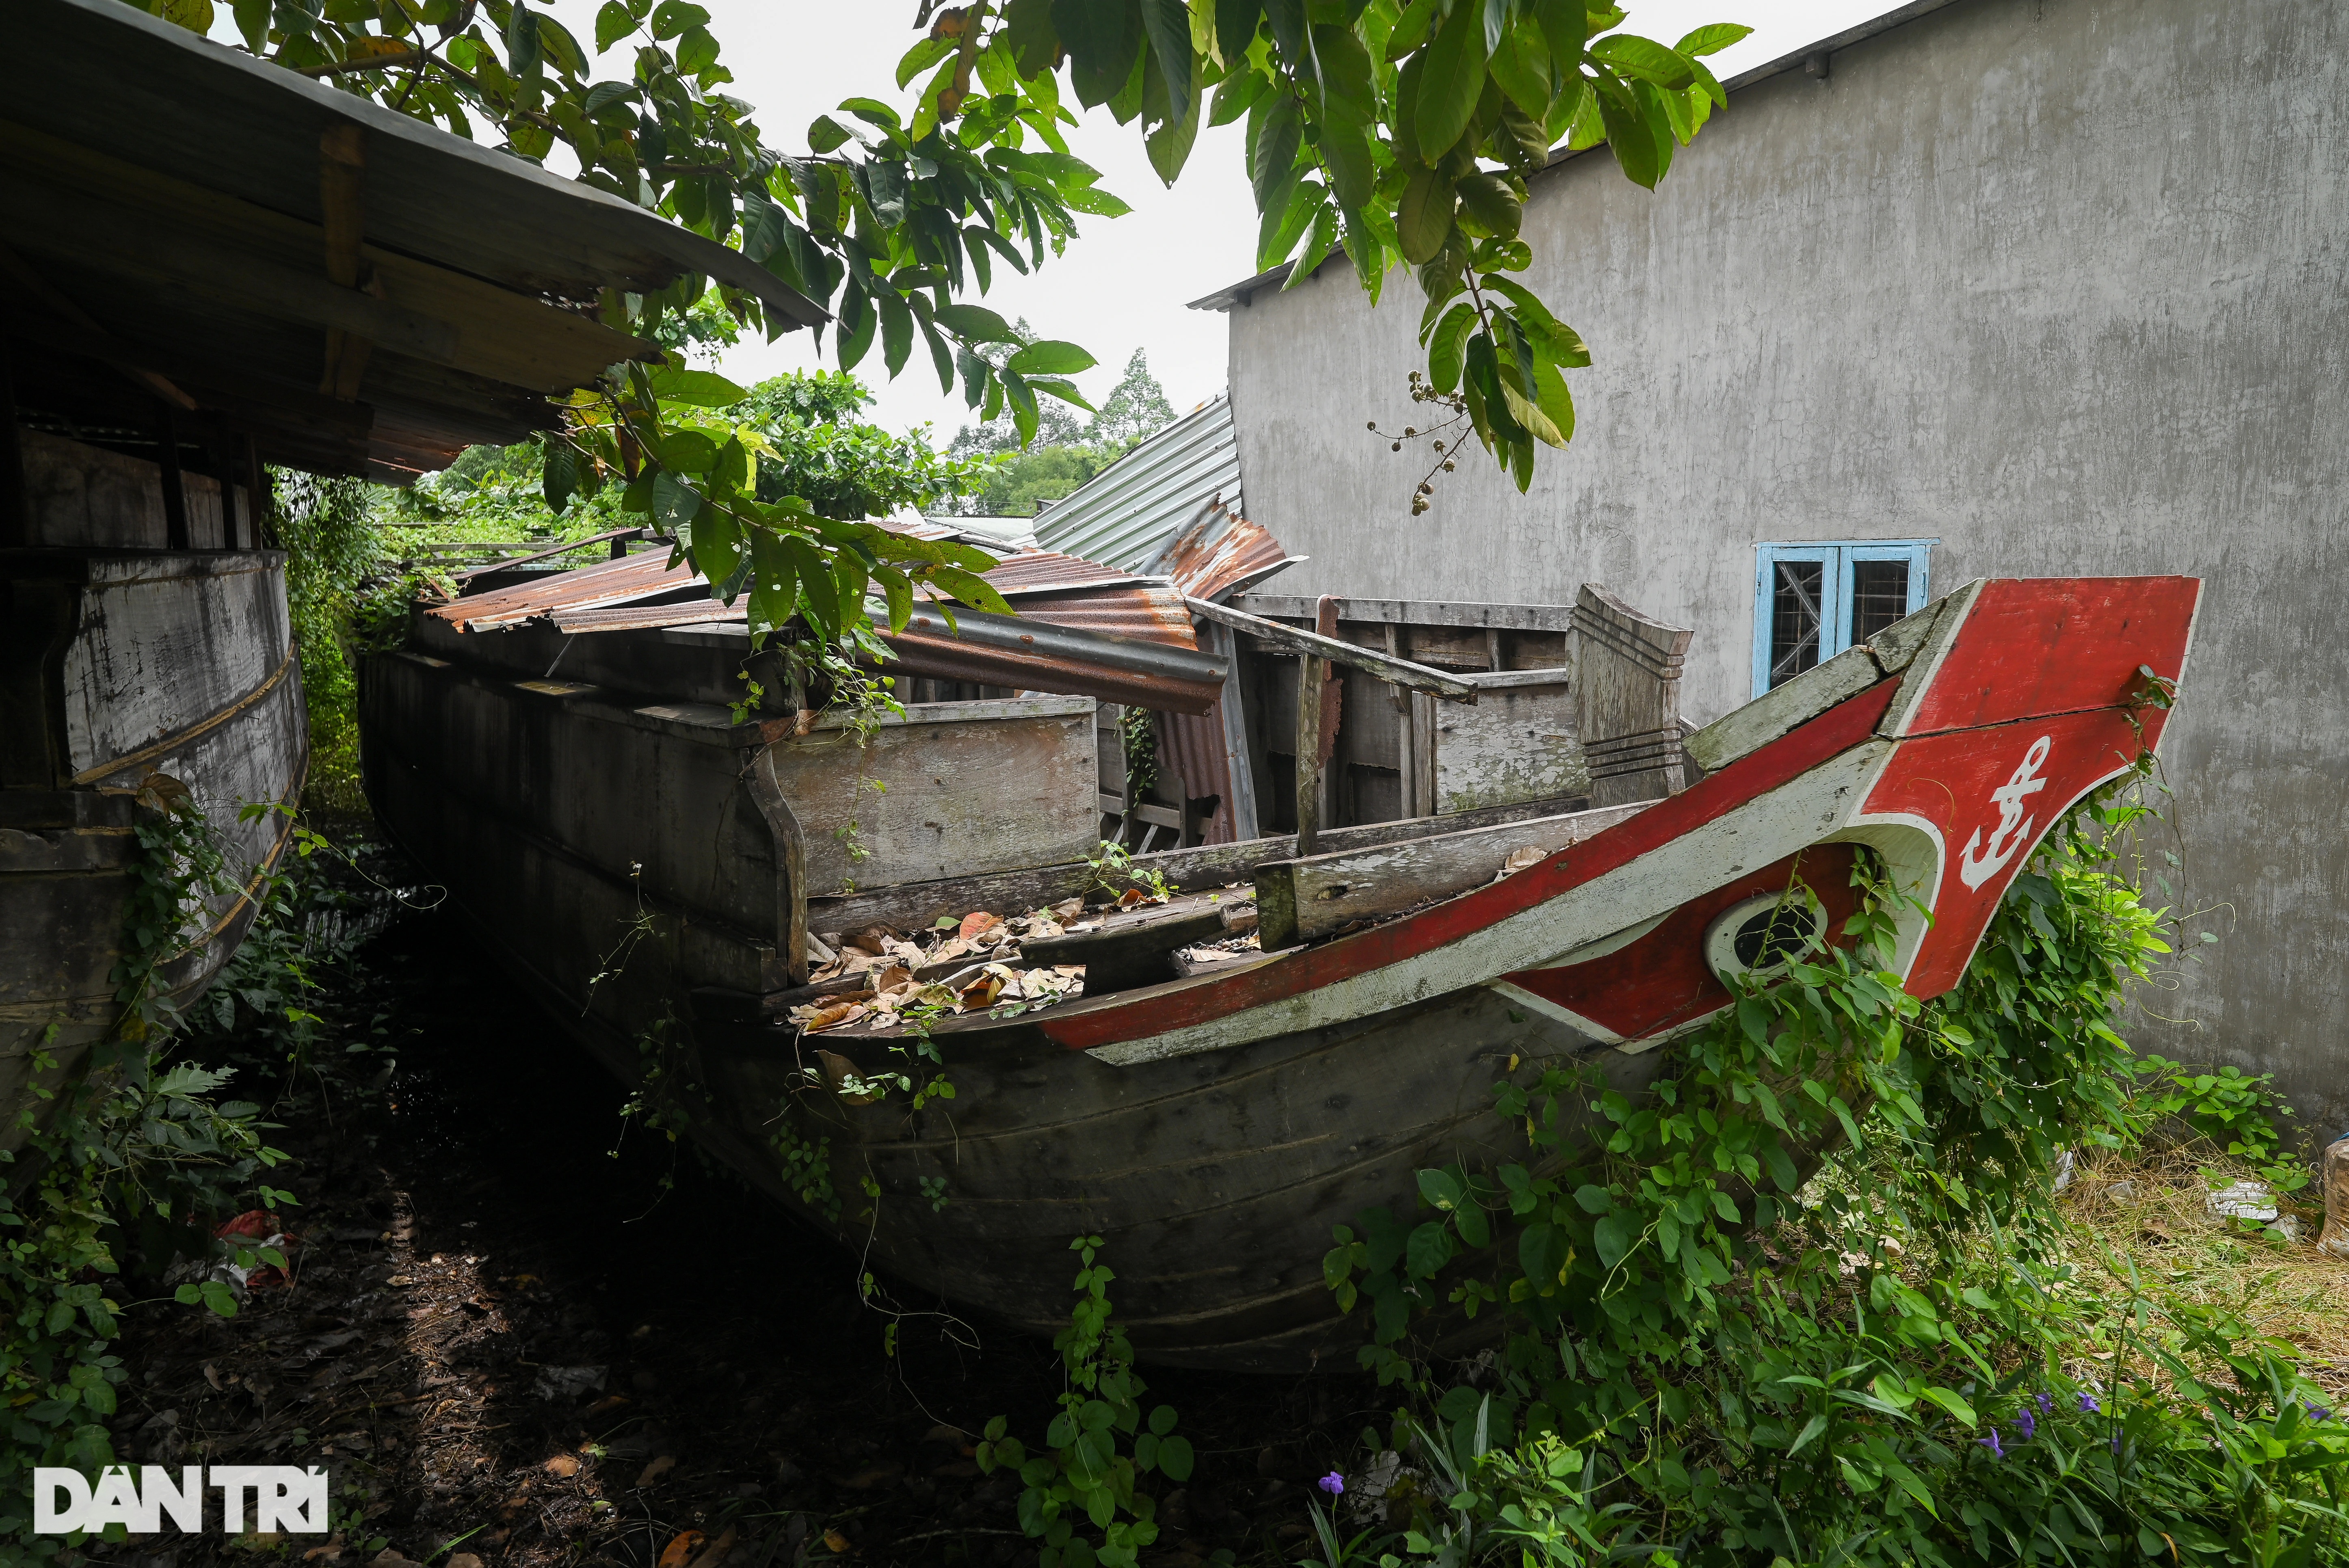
[{"x": 1813, "y": 600}]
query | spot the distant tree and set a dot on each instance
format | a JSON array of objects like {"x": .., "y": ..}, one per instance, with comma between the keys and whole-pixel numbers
[
  {"x": 1136, "y": 406},
  {"x": 1062, "y": 454}
]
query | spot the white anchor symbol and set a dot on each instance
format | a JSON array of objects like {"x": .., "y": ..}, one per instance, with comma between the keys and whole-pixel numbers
[{"x": 2013, "y": 827}]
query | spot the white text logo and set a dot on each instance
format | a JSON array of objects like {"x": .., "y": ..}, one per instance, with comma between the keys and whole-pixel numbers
[
  {"x": 2013, "y": 829},
  {"x": 285, "y": 1497}
]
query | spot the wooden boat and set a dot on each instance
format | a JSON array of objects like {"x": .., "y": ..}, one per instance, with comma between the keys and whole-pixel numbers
[
  {"x": 128, "y": 659},
  {"x": 1214, "y": 1125}
]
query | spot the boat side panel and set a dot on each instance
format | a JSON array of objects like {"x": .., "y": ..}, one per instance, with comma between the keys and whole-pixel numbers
[
  {"x": 613, "y": 794},
  {"x": 161, "y": 649},
  {"x": 1483, "y": 927},
  {"x": 1214, "y": 1180}
]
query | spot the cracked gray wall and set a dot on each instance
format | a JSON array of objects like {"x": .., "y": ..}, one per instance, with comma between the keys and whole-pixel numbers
[{"x": 2058, "y": 282}]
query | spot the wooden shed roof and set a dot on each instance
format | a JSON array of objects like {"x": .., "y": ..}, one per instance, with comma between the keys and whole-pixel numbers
[{"x": 272, "y": 257}]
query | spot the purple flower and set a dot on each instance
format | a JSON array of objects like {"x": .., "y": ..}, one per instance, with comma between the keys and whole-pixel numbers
[
  {"x": 1333, "y": 1483},
  {"x": 1990, "y": 1442},
  {"x": 2320, "y": 1412},
  {"x": 2026, "y": 1423},
  {"x": 2116, "y": 1445},
  {"x": 2047, "y": 1405},
  {"x": 2088, "y": 1406}
]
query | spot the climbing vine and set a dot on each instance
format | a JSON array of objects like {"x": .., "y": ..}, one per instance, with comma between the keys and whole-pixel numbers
[{"x": 129, "y": 1148}]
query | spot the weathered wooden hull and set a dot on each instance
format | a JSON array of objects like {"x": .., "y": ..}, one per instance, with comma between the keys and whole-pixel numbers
[
  {"x": 1214, "y": 1128},
  {"x": 123, "y": 663}
]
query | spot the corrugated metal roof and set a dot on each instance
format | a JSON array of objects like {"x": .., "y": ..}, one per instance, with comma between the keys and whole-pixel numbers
[
  {"x": 1082, "y": 628},
  {"x": 1124, "y": 514},
  {"x": 1220, "y": 554}
]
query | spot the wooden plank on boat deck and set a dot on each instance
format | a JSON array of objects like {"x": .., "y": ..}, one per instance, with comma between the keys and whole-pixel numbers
[
  {"x": 916, "y": 904},
  {"x": 1299, "y": 901}
]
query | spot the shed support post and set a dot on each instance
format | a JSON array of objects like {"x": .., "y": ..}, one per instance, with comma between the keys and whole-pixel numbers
[
  {"x": 15, "y": 504},
  {"x": 1312, "y": 674},
  {"x": 175, "y": 490},
  {"x": 791, "y": 864}
]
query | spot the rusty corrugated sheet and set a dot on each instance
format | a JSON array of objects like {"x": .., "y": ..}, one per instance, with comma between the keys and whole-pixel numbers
[
  {"x": 1193, "y": 746},
  {"x": 622, "y": 582},
  {"x": 642, "y": 594},
  {"x": 1218, "y": 554}
]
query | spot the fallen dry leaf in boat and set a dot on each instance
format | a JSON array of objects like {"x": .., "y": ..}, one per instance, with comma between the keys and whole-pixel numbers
[
  {"x": 950, "y": 951},
  {"x": 1068, "y": 909},
  {"x": 464, "y": 1560},
  {"x": 833, "y": 1013},
  {"x": 839, "y": 1069},
  {"x": 836, "y": 1542},
  {"x": 873, "y": 941},
  {"x": 658, "y": 1469},
  {"x": 1520, "y": 860},
  {"x": 677, "y": 1552},
  {"x": 718, "y": 1550},
  {"x": 977, "y": 921},
  {"x": 981, "y": 993},
  {"x": 873, "y": 1475},
  {"x": 889, "y": 979},
  {"x": 1132, "y": 896},
  {"x": 562, "y": 1465}
]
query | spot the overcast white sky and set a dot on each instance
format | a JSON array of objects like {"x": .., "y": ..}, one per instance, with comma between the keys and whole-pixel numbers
[{"x": 1123, "y": 284}]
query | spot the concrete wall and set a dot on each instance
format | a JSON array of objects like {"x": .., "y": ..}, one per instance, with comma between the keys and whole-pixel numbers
[{"x": 2059, "y": 282}]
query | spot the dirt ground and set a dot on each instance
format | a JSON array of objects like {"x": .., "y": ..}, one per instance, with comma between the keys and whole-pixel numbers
[{"x": 506, "y": 1343}]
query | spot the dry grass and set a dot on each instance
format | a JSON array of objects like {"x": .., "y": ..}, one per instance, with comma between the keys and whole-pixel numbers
[{"x": 2149, "y": 1207}]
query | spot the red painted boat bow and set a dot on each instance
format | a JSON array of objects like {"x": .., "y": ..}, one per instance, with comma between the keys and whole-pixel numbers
[{"x": 2027, "y": 694}]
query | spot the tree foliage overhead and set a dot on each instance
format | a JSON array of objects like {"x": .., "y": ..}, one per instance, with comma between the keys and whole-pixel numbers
[{"x": 1397, "y": 131}]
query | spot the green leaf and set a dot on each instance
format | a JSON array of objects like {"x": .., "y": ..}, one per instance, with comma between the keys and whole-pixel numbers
[
  {"x": 1492, "y": 202},
  {"x": 971, "y": 588},
  {"x": 1612, "y": 1237},
  {"x": 671, "y": 17},
  {"x": 1521, "y": 66},
  {"x": 1443, "y": 349},
  {"x": 698, "y": 388},
  {"x": 1565, "y": 26},
  {"x": 1424, "y": 218},
  {"x": 1049, "y": 358},
  {"x": 613, "y": 24},
  {"x": 1811, "y": 1428},
  {"x": 1712, "y": 38},
  {"x": 775, "y": 581},
  {"x": 896, "y": 329},
  {"x": 1643, "y": 60},
  {"x": 825, "y": 133},
  {"x": 675, "y": 502},
  {"x": 1092, "y": 199},
  {"x": 1167, "y": 24},
  {"x": 1594, "y": 1199},
  {"x": 1454, "y": 80},
  {"x": 1274, "y": 137},
  {"x": 1169, "y": 145},
  {"x": 716, "y": 543},
  {"x": 1440, "y": 1189},
  {"x": 1428, "y": 1250},
  {"x": 219, "y": 1297},
  {"x": 1174, "y": 1457},
  {"x": 977, "y": 323},
  {"x": 817, "y": 586},
  {"x": 1629, "y": 137},
  {"x": 1949, "y": 1400}
]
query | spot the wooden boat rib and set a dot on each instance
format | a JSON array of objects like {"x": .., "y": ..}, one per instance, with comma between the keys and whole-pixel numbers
[{"x": 1212, "y": 1128}]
